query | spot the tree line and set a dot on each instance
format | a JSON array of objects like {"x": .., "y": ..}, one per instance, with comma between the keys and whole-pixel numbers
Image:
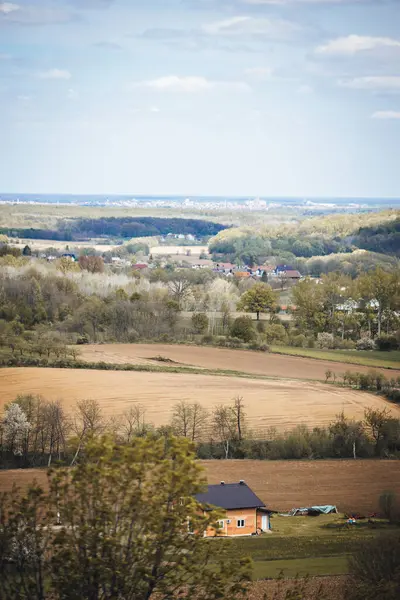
[
  {"x": 35, "y": 432},
  {"x": 117, "y": 227}
]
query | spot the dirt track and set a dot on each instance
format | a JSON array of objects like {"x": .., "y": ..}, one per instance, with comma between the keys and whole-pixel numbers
[
  {"x": 280, "y": 403},
  {"x": 282, "y": 485},
  {"x": 259, "y": 363}
]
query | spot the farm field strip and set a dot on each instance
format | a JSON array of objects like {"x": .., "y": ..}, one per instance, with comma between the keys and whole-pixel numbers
[
  {"x": 371, "y": 360},
  {"x": 352, "y": 485},
  {"x": 244, "y": 361},
  {"x": 269, "y": 403}
]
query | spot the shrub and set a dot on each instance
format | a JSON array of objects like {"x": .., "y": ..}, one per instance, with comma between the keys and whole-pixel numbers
[
  {"x": 207, "y": 339},
  {"x": 82, "y": 339},
  {"x": 299, "y": 341},
  {"x": 199, "y": 322},
  {"x": 387, "y": 342},
  {"x": 345, "y": 344},
  {"x": 325, "y": 340},
  {"x": 366, "y": 343},
  {"x": 275, "y": 333},
  {"x": 374, "y": 570},
  {"x": 242, "y": 328},
  {"x": 388, "y": 505}
]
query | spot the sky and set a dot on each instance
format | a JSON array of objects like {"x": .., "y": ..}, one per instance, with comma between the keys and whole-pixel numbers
[{"x": 200, "y": 97}]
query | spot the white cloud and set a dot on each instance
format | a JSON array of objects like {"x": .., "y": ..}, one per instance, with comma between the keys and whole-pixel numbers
[
  {"x": 284, "y": 2},
  {"x": 7, "y": 7},
  {"x": 72, "y": 94},
  {"x": 55, "y": 74},
  {"x": 23, "y": 98},
  {"x": 305, "y": 90},
  {"x": 154, "y": 109},
  {"x": 386, "y": 114},
  {"x": 384, "y": 82},
  {"x": 252, "y": 26},
  {"x": 260, "y": 73},
  {"x": 190, "y": 85},
  {"x": 352, "y": 44}
]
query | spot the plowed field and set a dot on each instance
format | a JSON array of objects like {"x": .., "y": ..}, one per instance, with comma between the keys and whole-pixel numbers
[
  {"x": 280, "y": 403},
  {"x": 257, "y": 363},
  {"x": 350, "y": 484}
]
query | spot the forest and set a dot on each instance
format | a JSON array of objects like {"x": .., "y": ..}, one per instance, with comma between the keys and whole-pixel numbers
[
  {"x": 117, "y": 227},
  {"x": 335, "y": 235}
]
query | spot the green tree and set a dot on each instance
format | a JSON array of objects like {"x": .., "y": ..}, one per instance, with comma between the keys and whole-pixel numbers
[
  {"x": 307, "y": 297},
  {"x": 199, "y": 322},
  {"x": 258, "y": 299},
  {"x": 242, "y": 327},
  {"x": 129, "y": 528},
  {"x": 380, "y": 289}
]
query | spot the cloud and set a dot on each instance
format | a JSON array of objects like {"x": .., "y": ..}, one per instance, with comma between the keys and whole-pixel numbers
[
  {"x": 305, "y": 90},
  {"x": 55, "y": 74},
  {"x": 36, "y": 14},
  {"x": 286, "y": 2},
  {"x": 353, "y": 44},
  {"x": 260, "y": 73},
  {"x": 92, "y": 4},
  {"x": 386, "y": 114},
  {"x": 379, "y": 83},
  {"x": 108, "y": 45},
  {"x": 72, "y": 94},
  {"x": 8, "y": 7},
  {"x": 252, "y": 26},
  {"x": 190, "y": 84}
]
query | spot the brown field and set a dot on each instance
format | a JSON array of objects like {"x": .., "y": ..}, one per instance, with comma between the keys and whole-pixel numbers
[
  {"x": 61, "y": 245},
  {"x": 351, "y": 485},
  {"x": 257, "y": 363},
  {"x": 269, "y": 403}
]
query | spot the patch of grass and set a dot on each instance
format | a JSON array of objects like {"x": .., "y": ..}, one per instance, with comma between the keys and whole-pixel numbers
[
  {"x": 295, "y": 538},
  {"x": 330, "y": 565},
  {"x": 386, "y": 360}
]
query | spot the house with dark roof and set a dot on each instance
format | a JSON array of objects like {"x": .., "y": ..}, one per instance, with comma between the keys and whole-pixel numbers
[{"x": 245, "y": 513}]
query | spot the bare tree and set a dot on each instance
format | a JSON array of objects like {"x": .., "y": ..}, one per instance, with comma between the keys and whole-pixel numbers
[
  {"x": 189, "y": 420},
  {"x": 240, "y": 415},
  {"x": 133, "y": 423},
  {"x": 179, "y": 287},
  {"x": 89, "y": 421},
  {"x": 224, "y": 426}
]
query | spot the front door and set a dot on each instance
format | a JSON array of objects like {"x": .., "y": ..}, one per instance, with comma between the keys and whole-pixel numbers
[{"x": 264, "y": 522}]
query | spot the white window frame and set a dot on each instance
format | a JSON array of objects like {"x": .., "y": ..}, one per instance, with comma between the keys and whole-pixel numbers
[
  {"x": 241, "y": 523},
  {"x": 221, "y": 524}
]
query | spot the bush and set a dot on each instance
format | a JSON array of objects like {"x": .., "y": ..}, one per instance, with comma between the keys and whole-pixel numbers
[
  {"x": 374, "y": 570},
  {"x": 299, "y": 341},
  {"x": 199, "y": 322},
  {"x": 275, "y": 333},
  {"x": 82, "y": 339},
  {"x": 242, "y": 328},
  {"x": 387, "y": 342},
  {"x": 388, "y": 505},
  {"x": 325, "y": 340},
  {"x": 345, "y": 344},
  {"x": 207, "y": 339},
  {"x": 366, "y": 343}
]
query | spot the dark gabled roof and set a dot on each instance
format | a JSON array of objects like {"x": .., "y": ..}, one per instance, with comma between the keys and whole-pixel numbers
[{"x": 230, "y": 496}]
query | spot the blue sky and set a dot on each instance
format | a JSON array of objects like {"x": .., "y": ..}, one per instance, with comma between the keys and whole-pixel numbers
[{"x": 219, "y": 97}]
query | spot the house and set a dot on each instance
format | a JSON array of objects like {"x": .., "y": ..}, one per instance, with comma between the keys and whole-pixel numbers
[
  {"x": 242, "y": 274},
  {"x": 245, "y": 513},
  {"x": 292, "y": 274}
]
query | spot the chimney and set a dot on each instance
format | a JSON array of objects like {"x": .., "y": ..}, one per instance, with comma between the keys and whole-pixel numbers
[
  {"x": 222, "y": 482},
  {"x": 242, "y": 482}
]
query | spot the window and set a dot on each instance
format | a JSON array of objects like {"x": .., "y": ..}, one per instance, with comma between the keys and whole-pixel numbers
[
  {"x": 240, "y": 523},
  {"x": 220, "y": 524}
]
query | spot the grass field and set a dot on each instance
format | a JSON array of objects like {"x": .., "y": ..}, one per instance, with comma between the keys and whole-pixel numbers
[
  {"x": 370, "y": 359},
  {"x": 255, "y": 363},
  {"x": 269, "y": 403}
]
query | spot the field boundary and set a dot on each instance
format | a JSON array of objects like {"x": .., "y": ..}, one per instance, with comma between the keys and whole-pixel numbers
[
  {"x": 332, "y": 357},
  {"x": 105, "y": 366}
]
